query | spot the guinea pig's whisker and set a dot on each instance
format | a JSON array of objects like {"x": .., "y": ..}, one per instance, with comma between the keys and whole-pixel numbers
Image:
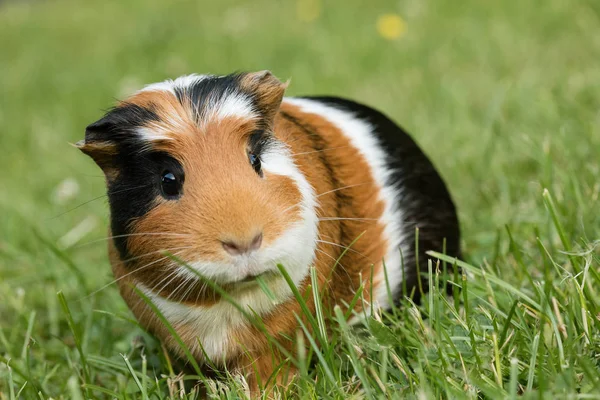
[
  {"x": 341, "y": 188},
  {"x": 328, "y": 255},
  {"x": 347, "y": 219},
  {"x": 181, "y": 286},
  {"x": 76, "y": 207},
  {"x": 131, "y": 234},
  {"x": 189, "y": 282},
  {"x": 161, "y": 251},
  {"x": 321, "y": 234},
  {"x": 94, "y": 199},
  {"x": 342, "y": 247},
  {"x": 292, "y": 207},
  {"x": 337, "y": 262},
  {"x": 319, "y": 151},
  {"x": 152, "y": 290},
  {"x": 131, "y": 188},
  {"x": 348, "y": 248},
  {"x": 173, "y": 275},
  {"x": 201, "y": 290},
  {"x": 191, "y": 286},
  {"x": 124, "y": 276},
  {"x": 160, "y": 282},
  {"x": 167, "y": 280}
]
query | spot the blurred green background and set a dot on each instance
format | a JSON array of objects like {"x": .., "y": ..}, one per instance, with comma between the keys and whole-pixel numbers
[{"x": 504, "y": 96}]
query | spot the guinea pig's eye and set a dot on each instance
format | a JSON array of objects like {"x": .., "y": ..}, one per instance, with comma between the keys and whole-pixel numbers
[
  {"x": 170, "y": 185},
  {"x": 255, "y": 162}
]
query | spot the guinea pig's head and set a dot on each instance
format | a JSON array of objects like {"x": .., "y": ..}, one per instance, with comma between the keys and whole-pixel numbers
[{"x": 194, "y": 170}]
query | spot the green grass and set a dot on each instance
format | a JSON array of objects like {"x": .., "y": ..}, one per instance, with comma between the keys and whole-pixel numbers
[{"x": 504, "y": 96}]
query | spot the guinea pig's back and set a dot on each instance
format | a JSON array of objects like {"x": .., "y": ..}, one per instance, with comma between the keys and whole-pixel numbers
[{"x": 415, "y": 193}]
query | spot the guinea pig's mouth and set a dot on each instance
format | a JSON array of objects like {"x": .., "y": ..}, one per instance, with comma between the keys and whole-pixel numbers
[{"x": 251, "y": 278}]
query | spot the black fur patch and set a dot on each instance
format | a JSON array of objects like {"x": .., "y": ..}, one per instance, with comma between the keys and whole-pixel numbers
[
  {"x": 425, "y": 201},
  {"x": 119, "y": 124},
  {"x": 134, "y": 190}
]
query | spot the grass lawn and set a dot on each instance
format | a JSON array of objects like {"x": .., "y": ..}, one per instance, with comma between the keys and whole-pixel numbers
[{"x": 503, "y": 95}]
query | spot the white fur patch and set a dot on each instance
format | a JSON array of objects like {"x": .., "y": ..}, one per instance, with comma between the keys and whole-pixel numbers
[
  {"x": 234, "y": 105},
  {"x": 360, "y": 134},
  {"x": 169, "y": 85},
  {"x": 213, "y": 324},
  {"x": 153, "y": 134}
]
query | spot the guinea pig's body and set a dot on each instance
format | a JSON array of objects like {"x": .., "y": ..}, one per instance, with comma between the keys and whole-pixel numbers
[{"x": 233, "y": 179}]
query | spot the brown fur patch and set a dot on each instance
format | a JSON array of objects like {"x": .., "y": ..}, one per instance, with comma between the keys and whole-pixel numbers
[
  {"x": 175, "y": 119},
  {"x": 268, "y": 90},
  {"x": 103, "y": 154}
]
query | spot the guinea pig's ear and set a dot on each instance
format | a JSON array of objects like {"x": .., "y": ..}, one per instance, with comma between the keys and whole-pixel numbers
[
  {"x": 99, "y": 146},
  {"x": 268, "y": 91}
]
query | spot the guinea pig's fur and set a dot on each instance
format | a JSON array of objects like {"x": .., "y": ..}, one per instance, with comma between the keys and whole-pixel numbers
[{"x": 230, "y": 177}]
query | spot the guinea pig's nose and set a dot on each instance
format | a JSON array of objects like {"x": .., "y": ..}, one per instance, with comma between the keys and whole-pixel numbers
[{"x": 239, "y": 247}]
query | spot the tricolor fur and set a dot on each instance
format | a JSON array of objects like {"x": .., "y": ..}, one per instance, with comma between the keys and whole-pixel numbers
[{"x": 291, "y": 181}]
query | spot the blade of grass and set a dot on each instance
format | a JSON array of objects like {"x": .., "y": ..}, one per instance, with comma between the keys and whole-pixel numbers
[
  {"x": 354, "y": 360},
  {"x": 101, "y": 389},
  {"x": 322, "y": 362},
  {"x": 28, "y": 334},
  {"x": 135, "y": 378},
  {"x": 318, "y": 304},
  {"x": 76, "y": 338},
  {"x": 532, "y": 362},
  {"x": 11, "y": 383},
  {"x": 61, "y": 255},
  {"x": 303, "y": 306},
  {"x": 514, "y": 378},
  {"x": 551, "y": 207},
  {"x": 495, "y": 280}
]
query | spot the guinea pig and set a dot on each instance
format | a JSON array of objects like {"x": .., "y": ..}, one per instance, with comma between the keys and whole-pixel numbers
[{"x": 226, "y": 175}]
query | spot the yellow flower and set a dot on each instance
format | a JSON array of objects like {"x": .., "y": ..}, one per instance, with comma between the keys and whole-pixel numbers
[
  {"x": 391, "y": 26},
  {"x": 308, "y": 10}
]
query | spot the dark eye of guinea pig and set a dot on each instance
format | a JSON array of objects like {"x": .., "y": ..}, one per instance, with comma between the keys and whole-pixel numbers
[
  {"x": 256, "y": 144},
  {"x": 170, "y": 185},
  {"x": 255, "y": 162}
]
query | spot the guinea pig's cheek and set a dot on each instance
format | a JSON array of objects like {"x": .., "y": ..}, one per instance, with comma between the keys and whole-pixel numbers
[
  {"x": 156, "y": 233},
  {"x": 285, "y": 198},
  {"x": 173, "y": 228}
]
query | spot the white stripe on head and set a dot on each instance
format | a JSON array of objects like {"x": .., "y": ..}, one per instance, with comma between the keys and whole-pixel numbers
[
  {"x": 169, "y": 85},
  {"x": 232, "y": 104},
  {"x": 360, "y": 134},
  {"x": 153, "y": 133}
]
